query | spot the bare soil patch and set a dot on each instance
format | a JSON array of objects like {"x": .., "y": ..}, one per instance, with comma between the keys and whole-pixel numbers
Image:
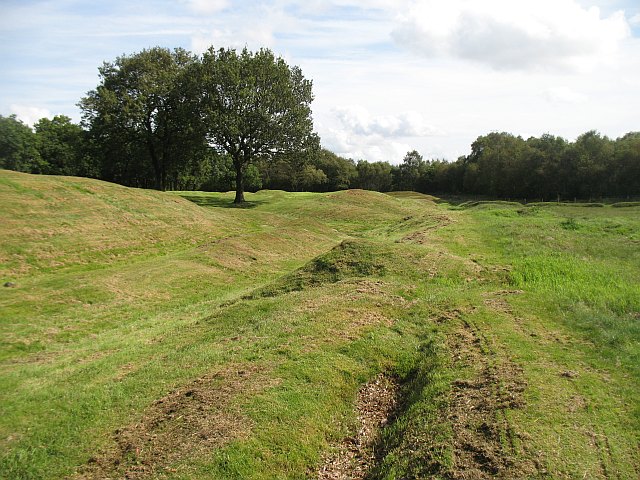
[
  {"x": 356, "y": 454},
  {"x": 484, "y": 443},
  {"x": 196, "y": 417},
  {"x": 497, "y": 300},
  {"x": 422, "y": 236}
]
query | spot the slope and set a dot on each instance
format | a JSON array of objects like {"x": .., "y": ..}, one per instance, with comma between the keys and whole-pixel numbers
[{"x": 250, "y": 342}]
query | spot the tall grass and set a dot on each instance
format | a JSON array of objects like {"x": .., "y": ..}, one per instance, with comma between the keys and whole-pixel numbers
[{"x": 576, "y": 280}]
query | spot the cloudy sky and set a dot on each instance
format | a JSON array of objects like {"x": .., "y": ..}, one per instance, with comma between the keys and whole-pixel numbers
[{"x": 389, "y": 75}]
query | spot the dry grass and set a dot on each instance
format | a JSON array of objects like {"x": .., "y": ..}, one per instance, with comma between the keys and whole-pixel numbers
[{"x": 148, "y": 336}]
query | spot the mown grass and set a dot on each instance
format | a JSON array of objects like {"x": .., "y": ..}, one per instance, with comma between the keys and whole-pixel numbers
[
  {"x": 578, "y": 313},
  {"x": 124, "y": 297}
]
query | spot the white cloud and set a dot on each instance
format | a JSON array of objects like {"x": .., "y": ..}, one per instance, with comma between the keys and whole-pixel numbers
[
  {"x": 353, "y": 132},
  {"x": 253, "y": 38},
  {"x": 323, "y": 6},
  {"x": 30, "y": 115},
  {"x": 564, "y": 95},
  {"x": 207, "y": 7},
  {"x": 252, "y": 27},
  {"x": 358, "y": 147},
  {"x": 509, "y": 35},
  {"x": 359, "y": 121},
  {"x": 635, "y": 20}
]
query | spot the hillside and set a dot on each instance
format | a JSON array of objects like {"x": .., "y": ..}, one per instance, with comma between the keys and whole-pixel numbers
[
  {"x": 172, "y": 335},
  {"x": 52, "y": 223}
]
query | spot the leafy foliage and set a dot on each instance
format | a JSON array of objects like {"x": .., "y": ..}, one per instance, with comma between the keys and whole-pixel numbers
[
  {"x": 143, "y": 117},
  {"x": 240, "y": 120},
  {"x": 18, "y": 146},
  {"x": 63, "y": 148},
  {"x": 502, "y": 165},
  {"x": 255, "y": 106}
]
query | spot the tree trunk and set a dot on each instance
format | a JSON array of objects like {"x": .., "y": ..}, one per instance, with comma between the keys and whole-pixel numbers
[
  {"x": 239, "y": 183},
  {"x": 157, "y": 168}
]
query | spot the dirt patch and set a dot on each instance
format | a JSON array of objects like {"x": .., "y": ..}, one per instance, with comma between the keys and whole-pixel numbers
[
  {"x": 454, "y": 315},
  {"x": 497, "y": 300},
  {"x": 124, "y": 371},
  {"x": 577, "y": 403},
  {"x": 30, "y": 359},
  {"x": 359, "y": 319},
  {"x": 357, "y": 193},
  {"x": 370, "y": 287},
  {"x": 422, "y": 236},
  {"x": 484, "y": 443},
  {"x": 194, "y": 418},
  {"x": 356, "y": 454},
  {"x": 377, "y": 291}
]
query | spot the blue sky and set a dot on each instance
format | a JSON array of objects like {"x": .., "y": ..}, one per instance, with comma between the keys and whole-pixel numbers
[{"x": 389, "y": 75}]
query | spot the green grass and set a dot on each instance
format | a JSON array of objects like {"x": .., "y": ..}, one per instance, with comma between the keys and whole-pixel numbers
[{"x": 279, "y": 311}]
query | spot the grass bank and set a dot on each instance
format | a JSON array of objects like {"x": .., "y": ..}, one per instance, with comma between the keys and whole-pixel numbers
[{"x": 170, "y": 335}]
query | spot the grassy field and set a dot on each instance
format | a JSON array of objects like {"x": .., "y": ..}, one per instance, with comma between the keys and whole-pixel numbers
[{"x": 172, "y": 335}]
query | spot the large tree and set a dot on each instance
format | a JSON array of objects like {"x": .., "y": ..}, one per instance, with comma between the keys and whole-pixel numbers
[
  {"x": 144, "y": 117},
  {"x": 256, "y": 107}
]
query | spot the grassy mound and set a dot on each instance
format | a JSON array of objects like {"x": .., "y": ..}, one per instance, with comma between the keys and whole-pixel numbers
[
  {"x": 145, "y": 335},
  {"x": 625, "y": 204},
  {"x": 566, "y": 204},
  {"x": 49, "y": 223}
]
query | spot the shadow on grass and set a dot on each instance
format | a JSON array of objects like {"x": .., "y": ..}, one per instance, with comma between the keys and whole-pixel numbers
[
  {"x": 451, "y": 199},
  {"x": 206, "y": 201},
  {"x": 456, "y": 200}
]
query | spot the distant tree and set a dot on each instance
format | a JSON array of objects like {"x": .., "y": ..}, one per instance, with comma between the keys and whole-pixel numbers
[
  {"x": 311, "y": 179},
  {"x": 252, "y": 179},
  {"x": 591, "y": 169},
  {"x": 470, "y": 178},
  {"x": 625, "y": 179},
  {"x": 449, "y": 177},
  {"x": 63, "y": 148},
  {"x": 221, "y": 175},
  {"x": 144, "y": 117},
  {"x": 277, "y": 174},
  {"x": 408, "y": 173},
  {"x": 374, "y": 176},
  {"x": 18, "y": 146},
  {"x": 256, "y": 107},
  {"x": 340, "y": 172},
  {"x": 497, "y": 157},
  {"x": 546, "y": 167}
]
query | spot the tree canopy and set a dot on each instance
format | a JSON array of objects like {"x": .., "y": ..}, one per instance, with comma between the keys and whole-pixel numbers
[
  {"x": 63, "y": 148},
  {"x": 144, "y": 116},
  {"x": 18, "y": 146},
  {"x": 236, "y": 120},
  {"x": 255, "y": 107}
]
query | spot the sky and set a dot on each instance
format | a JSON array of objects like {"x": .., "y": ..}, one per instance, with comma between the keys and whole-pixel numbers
[{"x": 389, "y": 76}]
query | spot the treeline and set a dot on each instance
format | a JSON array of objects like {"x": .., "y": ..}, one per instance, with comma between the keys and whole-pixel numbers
[
  {"x": 506, "y": 166},
  {"x": 61, "y": 147},
  {"x": 500, "y": 165},
  {"x": 53, "y": 147},
  {"x": 168, "y": 119}
]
